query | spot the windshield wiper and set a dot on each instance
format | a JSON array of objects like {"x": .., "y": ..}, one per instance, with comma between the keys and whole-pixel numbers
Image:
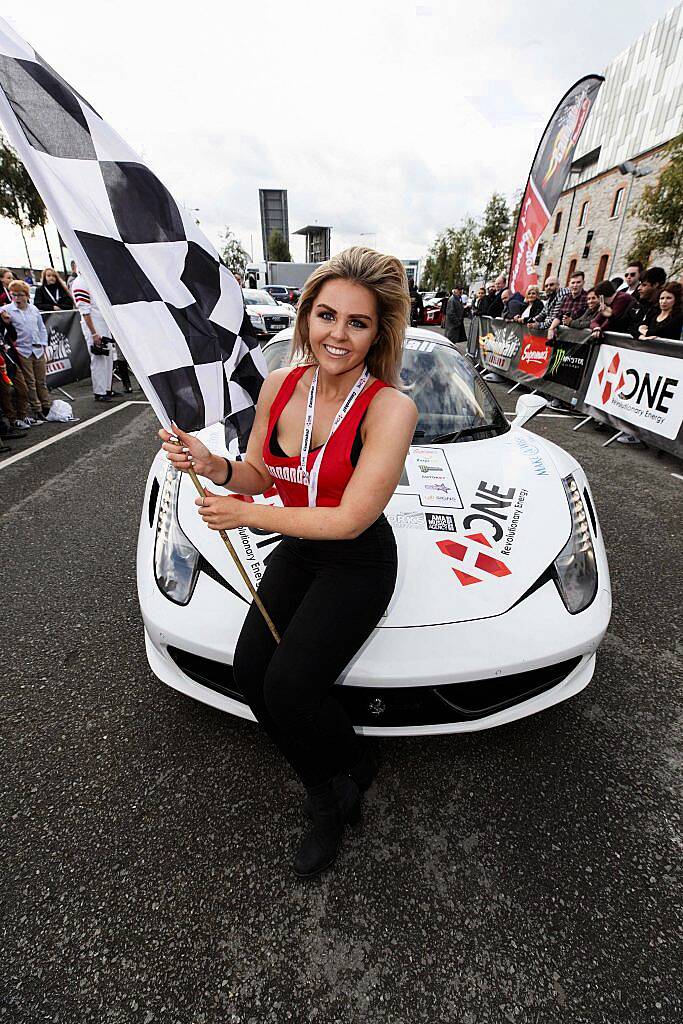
[{"x": 455, "y": 435}]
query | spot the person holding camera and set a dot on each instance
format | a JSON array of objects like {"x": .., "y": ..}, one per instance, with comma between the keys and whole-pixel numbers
[{"x": 98, "y": 338}]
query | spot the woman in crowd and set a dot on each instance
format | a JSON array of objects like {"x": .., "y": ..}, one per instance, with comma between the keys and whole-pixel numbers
[
  {"x": 667, "y": 320},
  {"x": 533, "y": 305},
  {"x": 52, "y": 295},
  {"x": 30, "y": 346},
  {"x": 332, "y": 435},
  {"x": 584, "y": 321}
]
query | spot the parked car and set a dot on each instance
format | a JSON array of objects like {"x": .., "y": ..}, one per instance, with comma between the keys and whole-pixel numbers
[
  {"x": 266, "y": 314},
  {"x": 503, "y": 593},
  {"x": 283, "y": 293},
  {"x": 433, "y": 314}
]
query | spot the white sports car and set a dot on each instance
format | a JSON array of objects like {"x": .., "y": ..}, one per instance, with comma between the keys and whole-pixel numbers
[{"x": 503, "y": 591}]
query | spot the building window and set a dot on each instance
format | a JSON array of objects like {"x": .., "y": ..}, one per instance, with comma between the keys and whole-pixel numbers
[
  {"x": 548, "y": 272},
  {"x": 539, "y": 253},
  {"x": 558, "y": 221},
  {"x": 583, "y": 213},
  {"x": 616, "y": 203},
  {"x": 587, "y": 246},
  {"x": 572, "y": 268},
  {"x": 602, "y": 268}
]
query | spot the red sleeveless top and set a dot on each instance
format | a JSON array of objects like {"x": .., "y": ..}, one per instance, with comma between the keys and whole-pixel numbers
[{"x": 336, "y": 468}]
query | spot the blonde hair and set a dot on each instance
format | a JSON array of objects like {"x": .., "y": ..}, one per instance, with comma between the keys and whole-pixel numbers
[
  {"x": 60, "y": 281},
  {"x": 19, "y": 286},
  {"x": 385, "y": 277}
]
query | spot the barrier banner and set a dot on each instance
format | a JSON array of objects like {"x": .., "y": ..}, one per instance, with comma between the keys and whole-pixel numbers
[
  {"x": 548, "y": 175},
  {"x": 638, "y": 387},
  {"x": 68, "y": 358},
  {"x": 523, "y": 353},
  {"x": 635, "y": 386}
]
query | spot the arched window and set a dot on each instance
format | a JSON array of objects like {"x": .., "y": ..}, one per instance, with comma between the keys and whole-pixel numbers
[
  {"x": 583, "y": 213},
  {"x": 602, "y": 268},
  {"x": 548, "y": 272},
  {"x": 572, "y": 268},
  {"x": 558, "y": 221}
]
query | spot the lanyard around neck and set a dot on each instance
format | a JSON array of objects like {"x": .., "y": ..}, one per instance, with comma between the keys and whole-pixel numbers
[{"x": 311, "y": 479}]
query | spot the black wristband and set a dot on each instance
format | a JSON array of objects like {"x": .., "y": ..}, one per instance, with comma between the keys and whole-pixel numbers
[{"x": 229, "y": 476}]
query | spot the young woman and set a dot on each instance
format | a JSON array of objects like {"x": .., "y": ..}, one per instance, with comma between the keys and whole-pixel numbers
[
  {"x": 665, "y": 321},
  {"x": 52, "y": 294},
  {"x": 584, "y": 321},
  {"x": 332, "y": 435}
]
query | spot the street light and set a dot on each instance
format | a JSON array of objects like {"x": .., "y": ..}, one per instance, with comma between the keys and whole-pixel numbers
[{"x": 634, "y": 171}]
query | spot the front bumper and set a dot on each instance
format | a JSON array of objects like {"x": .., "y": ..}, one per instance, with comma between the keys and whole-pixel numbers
[{"x": 452, "y": 678}]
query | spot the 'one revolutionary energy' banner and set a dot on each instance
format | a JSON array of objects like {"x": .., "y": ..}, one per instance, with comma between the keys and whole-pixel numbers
[
  {"x": 639, "y": 387},
  {"x": 547, "y": 176}
]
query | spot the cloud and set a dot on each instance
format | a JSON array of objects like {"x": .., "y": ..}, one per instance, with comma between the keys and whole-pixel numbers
[{"x": 394, "y": 117}]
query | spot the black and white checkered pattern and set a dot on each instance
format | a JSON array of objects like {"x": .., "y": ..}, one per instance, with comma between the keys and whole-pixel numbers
[{"x": 173, "y": 307}]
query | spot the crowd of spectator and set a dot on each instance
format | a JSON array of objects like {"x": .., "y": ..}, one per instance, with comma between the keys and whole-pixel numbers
[
  {"x": 643, "y": 304},
  {"x": 24, "y": 397}
]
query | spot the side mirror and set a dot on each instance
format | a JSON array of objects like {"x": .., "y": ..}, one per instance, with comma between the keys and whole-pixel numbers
[{"x": 527, "y": 407}]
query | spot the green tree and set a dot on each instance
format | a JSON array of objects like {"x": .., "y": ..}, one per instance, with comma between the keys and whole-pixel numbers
[
  {"x": 19, "y": 200},
  {"x": 491, "y": 250},
  {"x": 660, "y": 210},
  {"x": 450, "y": 260},
  {"x": 233, "y": 254},
  {"x": 278, "y": 250}
]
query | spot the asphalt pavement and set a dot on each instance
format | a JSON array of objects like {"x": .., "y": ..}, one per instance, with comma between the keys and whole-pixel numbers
[{"x": 528, "y": 874}]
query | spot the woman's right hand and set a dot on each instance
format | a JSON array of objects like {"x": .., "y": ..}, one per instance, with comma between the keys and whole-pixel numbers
[{"x": 189, "y": 454}]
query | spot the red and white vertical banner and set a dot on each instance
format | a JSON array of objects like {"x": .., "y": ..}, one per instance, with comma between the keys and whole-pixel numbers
[{"x": 548, "y": 175}]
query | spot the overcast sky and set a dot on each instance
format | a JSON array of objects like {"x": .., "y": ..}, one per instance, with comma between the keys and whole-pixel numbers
[{"x": 387, "y": 119}]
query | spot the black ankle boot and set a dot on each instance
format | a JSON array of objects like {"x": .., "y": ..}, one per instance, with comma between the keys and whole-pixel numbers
[
  {"x": 364, "y": 770},
  {"x": 331, "y": 808},
  {"x": 346, "y": 795}
]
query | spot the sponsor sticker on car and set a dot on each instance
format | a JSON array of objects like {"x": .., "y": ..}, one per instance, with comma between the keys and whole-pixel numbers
[{"x": 431, "y": 478}]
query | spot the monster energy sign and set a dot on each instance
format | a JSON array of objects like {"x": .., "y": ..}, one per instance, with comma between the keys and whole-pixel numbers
[{"x": 567, "y": 364}]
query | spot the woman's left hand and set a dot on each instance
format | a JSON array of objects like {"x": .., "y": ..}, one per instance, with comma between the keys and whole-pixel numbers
[{"x": 222, "y": 513}]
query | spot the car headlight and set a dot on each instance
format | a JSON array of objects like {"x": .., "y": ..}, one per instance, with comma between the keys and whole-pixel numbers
[
  {"x": 257, "y": 320},
  {"x": 576, "y": 573},
  {"x": 176, "y": 560}
]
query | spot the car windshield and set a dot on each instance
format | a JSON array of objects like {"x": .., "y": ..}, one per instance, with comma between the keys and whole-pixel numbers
[
  {"x": 253, "y": 297},
  {"x": 452, "y": 400}
]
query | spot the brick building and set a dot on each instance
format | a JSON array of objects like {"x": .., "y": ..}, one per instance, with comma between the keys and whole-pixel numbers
[{"x": 638, "y": 111}]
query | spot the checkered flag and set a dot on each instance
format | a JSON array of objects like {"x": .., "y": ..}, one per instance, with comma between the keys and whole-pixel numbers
[{"x": 175, "y": 310}]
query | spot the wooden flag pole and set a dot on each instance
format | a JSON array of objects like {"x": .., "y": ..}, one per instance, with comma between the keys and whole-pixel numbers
[{"x": 243, "y": 572}]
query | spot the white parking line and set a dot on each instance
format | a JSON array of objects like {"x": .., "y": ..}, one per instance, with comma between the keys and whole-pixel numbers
[
  {"x": 678, "y": 476},
  {"x": 60, "y": 437}
]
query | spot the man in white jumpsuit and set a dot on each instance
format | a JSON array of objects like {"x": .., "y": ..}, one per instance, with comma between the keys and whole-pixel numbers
[{"x": 98, "y": 338}]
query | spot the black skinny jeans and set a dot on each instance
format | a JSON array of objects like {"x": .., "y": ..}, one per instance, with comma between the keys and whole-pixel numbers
[{"x": 325, "y": 598}]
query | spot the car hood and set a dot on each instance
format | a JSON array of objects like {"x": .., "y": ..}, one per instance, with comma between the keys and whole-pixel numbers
[
  {"x": 476, "y": 523},
  {"x": 266, "y": 310}
]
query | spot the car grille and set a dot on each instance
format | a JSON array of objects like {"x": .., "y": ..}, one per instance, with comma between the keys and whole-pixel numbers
[
  {"x": 276, "y": 323},
  {"x": 392, "y": 707}
]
